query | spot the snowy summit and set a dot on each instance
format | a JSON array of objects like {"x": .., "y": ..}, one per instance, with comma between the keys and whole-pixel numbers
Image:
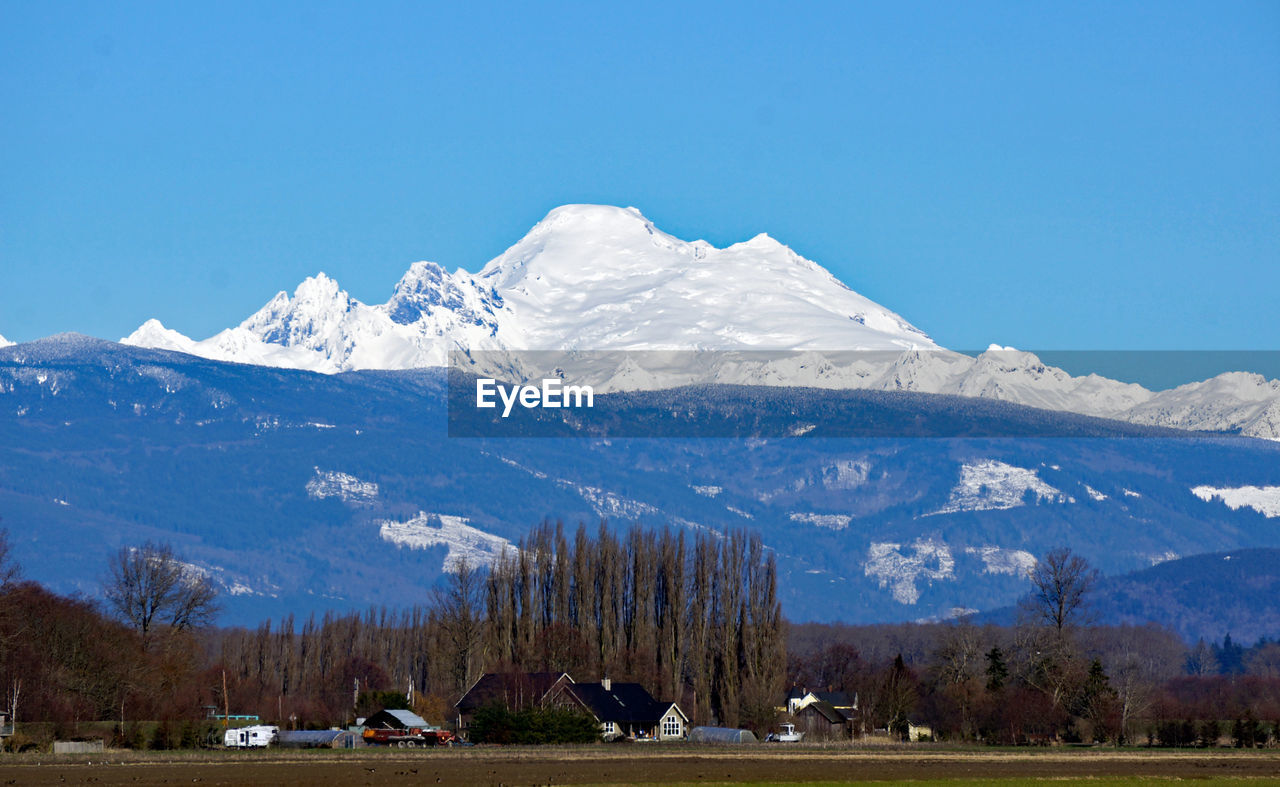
[
  {"x": 598, "y": 278},
  {"x": 586, "y": 277}
]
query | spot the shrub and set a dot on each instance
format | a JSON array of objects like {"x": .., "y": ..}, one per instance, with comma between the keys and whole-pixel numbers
[{"x": 496, "y": 724}]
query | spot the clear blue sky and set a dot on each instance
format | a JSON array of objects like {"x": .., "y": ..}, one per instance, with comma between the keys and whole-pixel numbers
[{"x": 1046, "y": 175}]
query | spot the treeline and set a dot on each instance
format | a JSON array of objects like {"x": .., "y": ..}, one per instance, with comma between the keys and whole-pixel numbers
[
  {"x": 1137, "y": 685},
  {"x": 1052, "y": 677},
  {"x": 694, "y": 620},
  {"x": 693, "y": 616}
]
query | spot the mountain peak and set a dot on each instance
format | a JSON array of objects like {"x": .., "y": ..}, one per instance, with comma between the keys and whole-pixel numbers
[
  {"x": 586, "y": 277},
  {"x": 426, "y": 290},
  {"x": 5, "y": 342},
  {"x": 153, "y": 334},
  {"x": 592, "y": 214},
  {"x": 319, "y": 289}
]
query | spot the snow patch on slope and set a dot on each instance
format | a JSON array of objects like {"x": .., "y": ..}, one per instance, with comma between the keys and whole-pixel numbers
[
  {"x": 990, "y": 485},
  {"x": 607, "y": 504},
  {"x": 347, "y": 488},
  {"x": 846, "y": 474},
  {"x": 929, "y": 559},
  {"x": 830, "y": 521},
  {"x": 5, "y": 342},
  {"x": 462, "y": 541},
  {"x": 1263, "y": 499},
  {"x": 233, "y": 584},
  {"x": 1012, "y": 562}
]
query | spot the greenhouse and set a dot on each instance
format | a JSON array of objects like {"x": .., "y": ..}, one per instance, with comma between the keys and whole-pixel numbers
[{"x": 721, "y": 735}]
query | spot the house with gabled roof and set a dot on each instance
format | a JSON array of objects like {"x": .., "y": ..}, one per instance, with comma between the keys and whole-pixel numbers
[
  {"x": 798, "y": 697},
  {"x": 820, "y": 720},
  {"x": 625, "y": 710},
  {"x": 514, "y": 691}
]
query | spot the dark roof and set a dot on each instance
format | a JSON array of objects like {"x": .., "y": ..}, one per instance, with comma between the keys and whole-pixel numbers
[
  {"x": 509, "y": 689},
  {"x": 839, "y": 699},
  {"x": 621, "y": 702},
  {"x": 395, "y": 720},
  {"x": 824, "y": 709}
]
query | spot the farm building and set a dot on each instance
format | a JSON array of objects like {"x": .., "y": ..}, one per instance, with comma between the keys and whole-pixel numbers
[
  {"x": 396, "y": 720},
  {"x": 625, "y": 710},
  {"x": 621, "y": 709},
  {"x": 319, "y": 739},
  {"x": 798, "y": 697},
  {"x": 726, "y": 735},
  {"x": 821, "y": 721}
]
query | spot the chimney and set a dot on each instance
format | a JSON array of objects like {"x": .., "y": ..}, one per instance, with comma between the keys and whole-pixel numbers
[{"x": 607, "y": 684}]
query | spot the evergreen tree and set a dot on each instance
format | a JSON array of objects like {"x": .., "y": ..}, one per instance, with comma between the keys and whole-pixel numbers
[{"x": 997, "y": 669}]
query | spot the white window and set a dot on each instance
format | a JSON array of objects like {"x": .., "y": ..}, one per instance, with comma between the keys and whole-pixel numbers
[
  {"x": 609, "y": 728},
  {"x": 671, "y": 727}
]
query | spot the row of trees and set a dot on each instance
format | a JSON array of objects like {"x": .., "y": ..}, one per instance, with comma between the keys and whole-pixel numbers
[
  {"x": 1053, "y": 676},
  {"x": 694, "y": 620}
]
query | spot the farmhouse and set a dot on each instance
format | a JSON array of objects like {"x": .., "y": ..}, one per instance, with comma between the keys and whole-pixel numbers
[
  {"x": 625, "y": 710},
  {"x": 797, "y": 698}
]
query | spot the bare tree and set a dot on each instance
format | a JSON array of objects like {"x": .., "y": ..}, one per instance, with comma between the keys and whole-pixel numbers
[
  {"x": 1060, "y": 587},
  {"x": 150, "y": 587},
  {"x": 10, "y": 573},
  {"x": 460, "y": 606}
]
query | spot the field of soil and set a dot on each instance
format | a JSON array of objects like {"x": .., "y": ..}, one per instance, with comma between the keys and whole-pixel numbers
[{"x": 641, "y": 765}]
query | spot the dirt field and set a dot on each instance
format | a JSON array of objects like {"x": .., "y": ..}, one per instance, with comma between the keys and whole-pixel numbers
[{"x": 631, "y": 765}]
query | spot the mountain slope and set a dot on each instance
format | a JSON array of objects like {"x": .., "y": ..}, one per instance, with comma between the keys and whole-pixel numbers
[
  {"x": 301, "y": 491},
  {"x": 1205, "y": 596}
]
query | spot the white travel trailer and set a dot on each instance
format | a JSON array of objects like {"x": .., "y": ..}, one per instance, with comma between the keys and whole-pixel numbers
[{"x": 255, "y": 737}]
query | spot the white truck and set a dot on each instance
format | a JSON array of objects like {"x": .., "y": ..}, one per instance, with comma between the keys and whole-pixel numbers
[{"x": 258, "y": 736}]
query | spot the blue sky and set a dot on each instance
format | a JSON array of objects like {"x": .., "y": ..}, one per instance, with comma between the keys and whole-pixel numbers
[{"x": 1068, "y": 175}]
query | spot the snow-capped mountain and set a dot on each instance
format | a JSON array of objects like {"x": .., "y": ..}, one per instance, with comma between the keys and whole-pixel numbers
[
  {"x": 597, "y": 278},
  {"x": 587, "y": 277},
  {"x": 4, "y": 342},
  {"x": 612, "y": 295},
  {"x": 323, "y": 329},
  {"x": 1231, "y": 402}
]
